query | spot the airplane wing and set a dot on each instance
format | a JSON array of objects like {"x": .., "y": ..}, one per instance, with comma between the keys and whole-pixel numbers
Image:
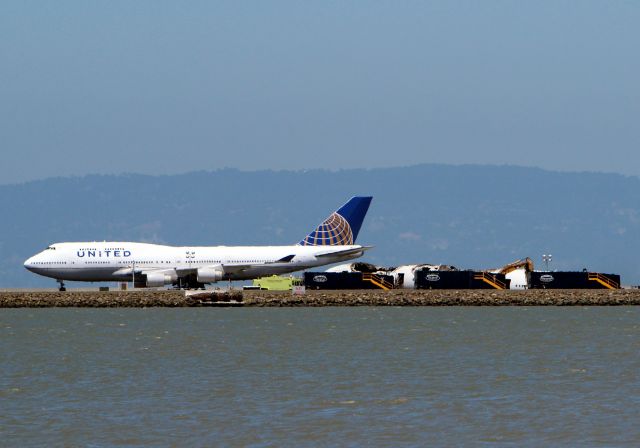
[
  {"x": 128, "y": 270},
  {"x": 146, "y": 271},
  {"x": 334, "y": 252},
  {"x": 227, "y": 268},
  {"x": 236, "y": 268}
]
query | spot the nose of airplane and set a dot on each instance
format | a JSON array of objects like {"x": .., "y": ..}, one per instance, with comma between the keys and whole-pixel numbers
[{"x": 29, "y": 263}]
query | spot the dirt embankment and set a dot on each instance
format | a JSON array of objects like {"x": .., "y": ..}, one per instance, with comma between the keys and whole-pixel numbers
[{"x": 141, "y": 299}]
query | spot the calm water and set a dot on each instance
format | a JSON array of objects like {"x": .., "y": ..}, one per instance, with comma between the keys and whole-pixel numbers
[{"x": 320, "y": 377}]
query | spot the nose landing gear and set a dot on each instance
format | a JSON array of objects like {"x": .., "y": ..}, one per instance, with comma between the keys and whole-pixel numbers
[{"x": 62, "y": 288}]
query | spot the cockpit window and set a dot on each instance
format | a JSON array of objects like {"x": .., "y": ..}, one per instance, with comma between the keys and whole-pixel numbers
[{"x": 50, "y": 248}]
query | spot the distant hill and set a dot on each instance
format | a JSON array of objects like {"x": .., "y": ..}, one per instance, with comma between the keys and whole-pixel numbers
[{"x": 468, "y": 216}]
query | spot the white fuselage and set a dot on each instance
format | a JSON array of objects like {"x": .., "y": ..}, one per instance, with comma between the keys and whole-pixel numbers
[
  {"x": 121, "y": 261},
  {"x": 519, "y": 279}
]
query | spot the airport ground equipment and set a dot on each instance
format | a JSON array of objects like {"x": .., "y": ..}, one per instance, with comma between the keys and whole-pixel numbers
[
  {"x": 427, "y": 279},
  {"x": 574, "y": 280},
  {"x": 276, "y": 283},
  {"x": 347, "y": 280}
]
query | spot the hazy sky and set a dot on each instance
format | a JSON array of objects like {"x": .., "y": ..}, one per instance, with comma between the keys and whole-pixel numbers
[{"x": 167, "y": 87}]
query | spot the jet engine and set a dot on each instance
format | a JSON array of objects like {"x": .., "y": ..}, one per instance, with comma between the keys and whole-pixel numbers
[
  {"x": 210, "y": 275},
  {"x": 156, "y": 279}
]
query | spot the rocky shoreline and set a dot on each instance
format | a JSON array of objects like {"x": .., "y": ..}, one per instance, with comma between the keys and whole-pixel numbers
[{"x": 145, "y": 299}]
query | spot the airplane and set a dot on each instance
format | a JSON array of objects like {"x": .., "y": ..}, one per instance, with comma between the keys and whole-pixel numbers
[{"x": 155, "y": 265}]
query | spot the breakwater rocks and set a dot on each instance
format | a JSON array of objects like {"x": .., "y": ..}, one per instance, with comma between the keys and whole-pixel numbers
[
  {"x": 92, "y": 299},
  {"x": 143, "y": 299},
  {"x": 477, "y": 297}
]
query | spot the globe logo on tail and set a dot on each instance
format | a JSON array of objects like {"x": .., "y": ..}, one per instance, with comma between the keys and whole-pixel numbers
[{"x": 334, "y": 231}]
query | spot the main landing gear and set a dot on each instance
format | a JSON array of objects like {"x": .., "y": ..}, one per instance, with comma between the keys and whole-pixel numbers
[
  {"x": 62, "y": 288},
  {"x": 188, "y": 282}
]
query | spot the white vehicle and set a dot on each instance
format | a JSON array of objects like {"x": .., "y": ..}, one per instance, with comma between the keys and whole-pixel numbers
[{"x": 154, "y": 265}]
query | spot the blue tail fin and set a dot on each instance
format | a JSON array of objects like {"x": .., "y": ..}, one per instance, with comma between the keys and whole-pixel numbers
[{"x": 342, "y": 227}]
